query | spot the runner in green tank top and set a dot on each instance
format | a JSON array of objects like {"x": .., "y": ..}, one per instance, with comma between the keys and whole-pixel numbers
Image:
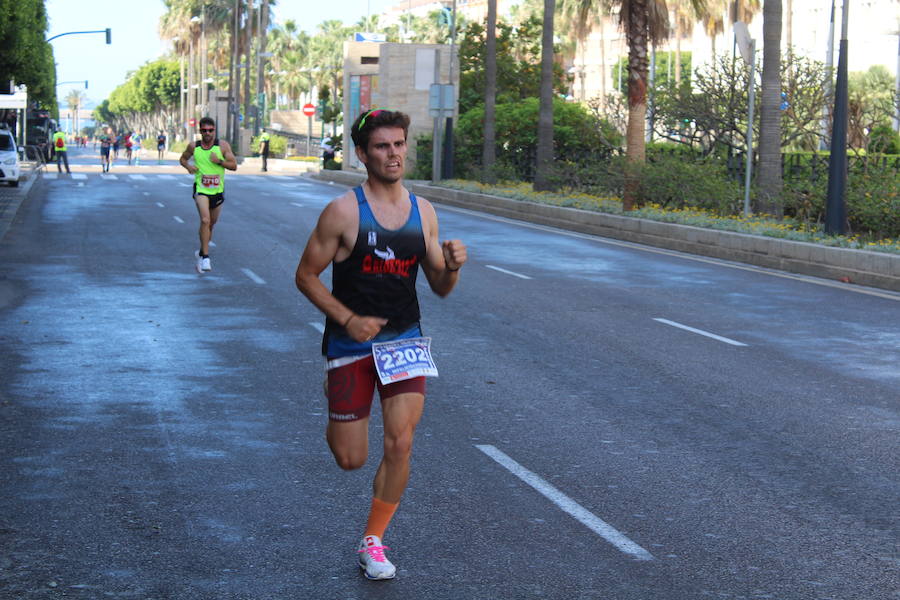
[{"x": 211, "y": 157}]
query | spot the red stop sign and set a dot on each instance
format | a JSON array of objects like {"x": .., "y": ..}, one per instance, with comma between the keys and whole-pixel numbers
[{"x": 309, "y": 109}]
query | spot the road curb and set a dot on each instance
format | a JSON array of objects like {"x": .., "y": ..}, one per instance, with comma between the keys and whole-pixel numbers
[
  {"x": 28, "y": 184},
  {"x": 863, "y": 267}
]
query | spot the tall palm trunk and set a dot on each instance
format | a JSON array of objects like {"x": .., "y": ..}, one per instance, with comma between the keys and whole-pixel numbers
[
  {"x": 489, "y": 150},
  {"x": 769, "y": 172},
  {"x": 638, "y": 35},
  {"x": 544, "y": 157}
]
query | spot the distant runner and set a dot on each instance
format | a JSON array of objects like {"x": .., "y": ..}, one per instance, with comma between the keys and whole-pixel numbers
[
  {"x": 105, "y": 147},
  {"x": 211, "y": 157},
  {"x": 160, "y": 147},
  {"x": 375, "y": 237}
]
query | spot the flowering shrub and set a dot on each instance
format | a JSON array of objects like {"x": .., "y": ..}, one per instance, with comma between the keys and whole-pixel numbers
[{"x": 787, "y": 228}]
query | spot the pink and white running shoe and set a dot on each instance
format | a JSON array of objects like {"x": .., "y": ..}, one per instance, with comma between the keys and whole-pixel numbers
[{"x": 372, "y": 560}]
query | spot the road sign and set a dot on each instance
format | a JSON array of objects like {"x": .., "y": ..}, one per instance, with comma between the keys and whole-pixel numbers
[
  {"x": 441, "y": 100},
  {"x": 309, "y": 109}
]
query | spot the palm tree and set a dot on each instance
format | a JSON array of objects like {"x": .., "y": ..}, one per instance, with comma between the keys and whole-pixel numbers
[
  {"x": 489, "y": 151},
  {"x": 75, "y": 99},
  {"x": 643, "y": 21},
  {"x": 545, "y": 114},
  {"x": 578, "y": 18},
  {"x": 769, "y": 171}
]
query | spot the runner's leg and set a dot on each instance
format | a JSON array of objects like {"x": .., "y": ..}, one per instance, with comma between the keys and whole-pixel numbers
[
  {"x": 401, "y": 415},
  {"x": 205, "y": 230},
  {"x": 213, "y": 219},
  {"x": 349, "y": 442}
]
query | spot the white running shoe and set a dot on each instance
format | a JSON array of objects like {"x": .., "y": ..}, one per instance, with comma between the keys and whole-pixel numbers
[
  {"x": 199, "y": 261},
  {"x": 207, "y": 265},
  {"x": 372, "y": 560}
]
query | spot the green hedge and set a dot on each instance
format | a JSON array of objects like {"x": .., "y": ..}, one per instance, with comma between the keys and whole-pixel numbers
[{"x": 277, "y": 145}]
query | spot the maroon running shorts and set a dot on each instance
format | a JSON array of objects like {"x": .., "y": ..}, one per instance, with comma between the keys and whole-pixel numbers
[{"x": 351, "y": 388}]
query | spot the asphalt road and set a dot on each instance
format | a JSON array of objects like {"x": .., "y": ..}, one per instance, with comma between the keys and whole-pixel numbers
[{"x": 610, "y": 422}]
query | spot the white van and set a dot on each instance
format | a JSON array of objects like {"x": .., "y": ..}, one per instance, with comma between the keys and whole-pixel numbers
[{"x": 9, "y": 158}]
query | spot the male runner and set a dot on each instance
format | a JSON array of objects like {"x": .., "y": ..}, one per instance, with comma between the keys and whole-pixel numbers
[
  {"x": 376, "y": 236},
  {"x": 105, "y": 145},
  {"x": 211, "y": 157},
  {"x": 160, "y": 147}
]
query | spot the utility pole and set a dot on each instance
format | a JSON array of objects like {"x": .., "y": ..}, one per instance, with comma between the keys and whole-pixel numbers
[
  {"x": 260, "y": 65},
  {"x": 447, "y": 171},
  {"x": 247, "y": 63},
  {"x": 836, "y": 207},
  {"x": 824, "y": 142}
]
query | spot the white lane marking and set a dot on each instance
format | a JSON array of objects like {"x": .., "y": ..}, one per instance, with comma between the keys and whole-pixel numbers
[
  {"x": 256, "y": 278},
  {"x": 297, "y": 204},
  {"x": 701, "y": 332},
  {"x": 513, "y": 273},
  {"x": 80, "y": 184},
  {"x": 146, "y": 193},
  {"x": 581, "y": 514},
  {"x": 79, "y": 176},
  {"x": 178, "y": 219},
  {"x": 317, "y": 326},
  {"x": 165, "y": 176},
  {"x": 107, "y": 176},
  {"x": 50, "y": 175},
  {"x": 160, "y": 204},
  {"x": 138, "y": 177},
  {"x": 721, "y": 262},
  {"x": 182, "y": 184}
]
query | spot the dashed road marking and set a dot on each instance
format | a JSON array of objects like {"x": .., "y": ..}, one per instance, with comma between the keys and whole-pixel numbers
[
  {"x": 581, "y": 514},
  {"x": 701, "y": 332},
  {"x": 508, "y": 272},
  {"x": 256, "y": 278}
]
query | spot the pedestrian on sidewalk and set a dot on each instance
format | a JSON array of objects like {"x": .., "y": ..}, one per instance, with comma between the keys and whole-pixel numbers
[
  {"x": 375, "y": 237},
  {"x": 264, "y": 150},
  {"x": 60, "y": 148}
]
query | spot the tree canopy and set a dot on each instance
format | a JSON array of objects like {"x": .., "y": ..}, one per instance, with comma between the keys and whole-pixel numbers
[{"x": 26, "y": 57}]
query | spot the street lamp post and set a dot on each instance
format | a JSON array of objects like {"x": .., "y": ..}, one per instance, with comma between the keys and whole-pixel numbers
[{"x": 107, "y": 31}]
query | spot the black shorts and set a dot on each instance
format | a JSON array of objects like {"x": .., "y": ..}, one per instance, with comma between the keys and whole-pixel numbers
[
  {"x": 104, "y": 151},
  {"x": 214, "y": 199}
]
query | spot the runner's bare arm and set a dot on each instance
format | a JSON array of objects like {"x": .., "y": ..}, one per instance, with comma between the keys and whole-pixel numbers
[
  {"x": 442, "y": 259},
  {"x": 230, "y": 161},
  {"x": 325, "y": 244},
  {"x": 186, "y": 156}
]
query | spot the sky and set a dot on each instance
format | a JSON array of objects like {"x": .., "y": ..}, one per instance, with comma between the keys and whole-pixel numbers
[{"x": 135, "y": 39}]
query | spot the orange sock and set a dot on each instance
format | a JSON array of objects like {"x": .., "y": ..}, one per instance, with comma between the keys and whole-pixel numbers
[{"x": 380, "y": 516}]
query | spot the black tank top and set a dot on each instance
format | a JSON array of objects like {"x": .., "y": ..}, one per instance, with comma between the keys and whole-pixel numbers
[{"x": 379, "y": 277}]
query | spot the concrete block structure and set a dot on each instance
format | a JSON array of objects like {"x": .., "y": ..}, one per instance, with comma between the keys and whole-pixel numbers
[{"x": 394, "y": 76}]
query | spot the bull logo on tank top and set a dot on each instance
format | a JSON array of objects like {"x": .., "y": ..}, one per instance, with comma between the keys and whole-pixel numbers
[{"x": 385, "y": 261}]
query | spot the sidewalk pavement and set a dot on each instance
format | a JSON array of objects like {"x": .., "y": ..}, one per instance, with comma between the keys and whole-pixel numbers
[
  {"x": 12, "y": 197},
  {"x": 843, "y": 266}
]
